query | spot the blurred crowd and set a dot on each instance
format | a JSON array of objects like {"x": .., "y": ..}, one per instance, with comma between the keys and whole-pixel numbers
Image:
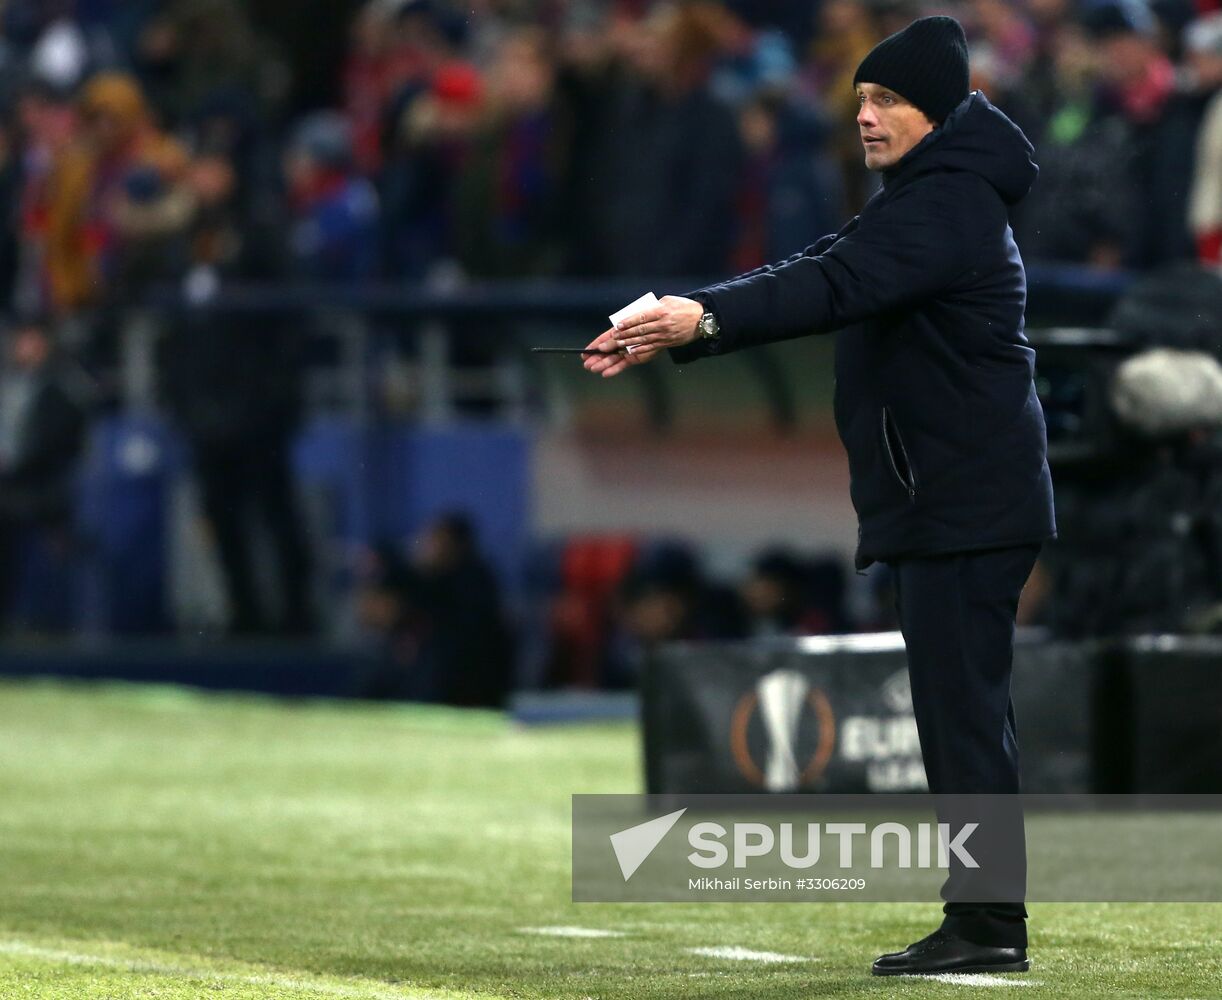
[
  {"x": 151, "y": 143},
  {"x": 148, "y": 141},
  {"x": 597, "y": 605}
]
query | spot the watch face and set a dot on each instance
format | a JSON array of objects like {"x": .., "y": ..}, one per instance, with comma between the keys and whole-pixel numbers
[{"x": 708, "y": 325}]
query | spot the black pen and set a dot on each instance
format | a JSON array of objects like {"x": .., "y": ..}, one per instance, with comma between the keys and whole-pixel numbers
[{"x": 569, "y": 350}]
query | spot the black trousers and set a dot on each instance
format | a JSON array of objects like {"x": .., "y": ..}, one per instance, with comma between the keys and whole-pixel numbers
[
  {"x": 242, "y": 485},
  {"x": 957, "y": 615}
]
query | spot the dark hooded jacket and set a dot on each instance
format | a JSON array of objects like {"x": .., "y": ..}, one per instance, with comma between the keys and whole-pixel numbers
[{"x": 935, "y": 396}]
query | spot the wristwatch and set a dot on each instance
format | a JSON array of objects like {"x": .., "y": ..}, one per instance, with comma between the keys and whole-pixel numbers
[{"x": 708, "y": 327}]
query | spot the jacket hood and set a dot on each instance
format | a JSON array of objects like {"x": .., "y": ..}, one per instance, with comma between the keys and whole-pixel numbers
[{"x": 975, "y": 137}]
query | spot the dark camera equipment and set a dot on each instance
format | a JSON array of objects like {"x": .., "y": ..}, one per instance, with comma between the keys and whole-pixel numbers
[{"x": 1139, "y": 516}]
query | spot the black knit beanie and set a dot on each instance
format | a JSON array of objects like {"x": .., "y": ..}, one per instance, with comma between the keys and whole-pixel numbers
[{"x": 926, "y": 64}]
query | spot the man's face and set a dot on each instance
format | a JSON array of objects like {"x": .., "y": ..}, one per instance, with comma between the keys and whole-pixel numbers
[{"x": 890, "y": 125}]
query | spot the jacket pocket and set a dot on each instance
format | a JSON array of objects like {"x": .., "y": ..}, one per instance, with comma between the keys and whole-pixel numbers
[{"x": 897, "y": 455}]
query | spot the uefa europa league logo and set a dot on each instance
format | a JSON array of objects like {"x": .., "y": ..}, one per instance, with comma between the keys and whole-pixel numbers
[
  {"x": 782, "y": 694},
  {"x": 787, "y": 706}
]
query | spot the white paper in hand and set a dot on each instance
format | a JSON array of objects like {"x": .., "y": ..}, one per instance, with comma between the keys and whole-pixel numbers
[{"x": 646, "y": 301}]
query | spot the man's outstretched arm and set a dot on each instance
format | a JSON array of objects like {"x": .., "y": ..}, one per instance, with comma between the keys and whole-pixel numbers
[
  {"x": 906, "y": 250},
  {"x": 674, "y": 322}
]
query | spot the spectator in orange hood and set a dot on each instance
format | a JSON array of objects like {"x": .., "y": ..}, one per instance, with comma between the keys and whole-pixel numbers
[{"x": 121, "y": 181}]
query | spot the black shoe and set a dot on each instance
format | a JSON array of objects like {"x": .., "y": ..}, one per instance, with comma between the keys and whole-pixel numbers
[{"x": 943, "y": 952}]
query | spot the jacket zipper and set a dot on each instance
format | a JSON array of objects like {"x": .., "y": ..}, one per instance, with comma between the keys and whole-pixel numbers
[{"x": 890, "y": 429}]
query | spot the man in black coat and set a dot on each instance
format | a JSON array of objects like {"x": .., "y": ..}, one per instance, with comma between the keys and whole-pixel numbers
[
  {"x": 937, "y": 409},
  {"x": 233, "y": 383}
]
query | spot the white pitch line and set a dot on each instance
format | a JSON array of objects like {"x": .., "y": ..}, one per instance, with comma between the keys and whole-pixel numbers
[
  {"x": 141, "y": 966},
  {"x": 747, "y": 955},
  {"x": 571, "y": 932},
  {"x": 977, "y": 979}
]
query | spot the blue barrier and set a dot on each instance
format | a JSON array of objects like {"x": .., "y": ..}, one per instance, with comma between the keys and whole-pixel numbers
[
  {"x": 123, "y": 510},
  {"x": 268, "y": 668},
  {"x": 392, "y": 480},
  {"x": 387, "y": 482}
]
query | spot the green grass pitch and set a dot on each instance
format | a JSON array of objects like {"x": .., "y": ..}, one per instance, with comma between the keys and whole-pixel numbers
[{"x": 156, "y": 843}]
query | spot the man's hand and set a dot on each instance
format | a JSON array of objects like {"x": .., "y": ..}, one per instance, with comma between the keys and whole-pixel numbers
[{"x": 639, "y": 338}]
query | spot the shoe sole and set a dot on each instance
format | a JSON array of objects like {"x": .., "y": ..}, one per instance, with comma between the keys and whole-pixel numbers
[{"x": 1023, "y": 966}]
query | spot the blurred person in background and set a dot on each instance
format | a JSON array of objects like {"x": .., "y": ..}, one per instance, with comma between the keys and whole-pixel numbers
[
  {"x": 115, "y": 199},
  {"x": 431, "y": 144},
  {"x": 790, "y": 187},
  {"x": 333, "y": 209},
  {"x": 231, "y": 126},
  {"x": 367, "y": 84},
  {"x": 117, "y": 209},
  {"x": 669, "y": 160},
  {"x": 666, "y": 597},
  {"x": 508, "y": 197},
  {"x": 785, "y": 596},
  {"x": 42, "y": 434},
  {"x": 1003, "y": 26},
  {"x": 847, "y": 30},
  {"x": 1203, "y": 41},
  {"x": 591, "y": 74},
  {"x": 1049, "y": 19},
  {"x": 440, "y": 619},
  {"x": 466, "y": 631},
  {"x": 397, "y": 47},
  {"x": 988, "y": 74},
  {"x": 469, "y": 188},
  {"x": 233, "y": 384},
  {"x": 193, "y": 50},
  {"x": 1141, "y": 84},
  {"x": 382, "y": 590},
  {"x": 773, "y": 594},
  {"x": 46, "y": 125},
  {"x": 1083, "y": 210},
  {"x": 653, "y": 609}
]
